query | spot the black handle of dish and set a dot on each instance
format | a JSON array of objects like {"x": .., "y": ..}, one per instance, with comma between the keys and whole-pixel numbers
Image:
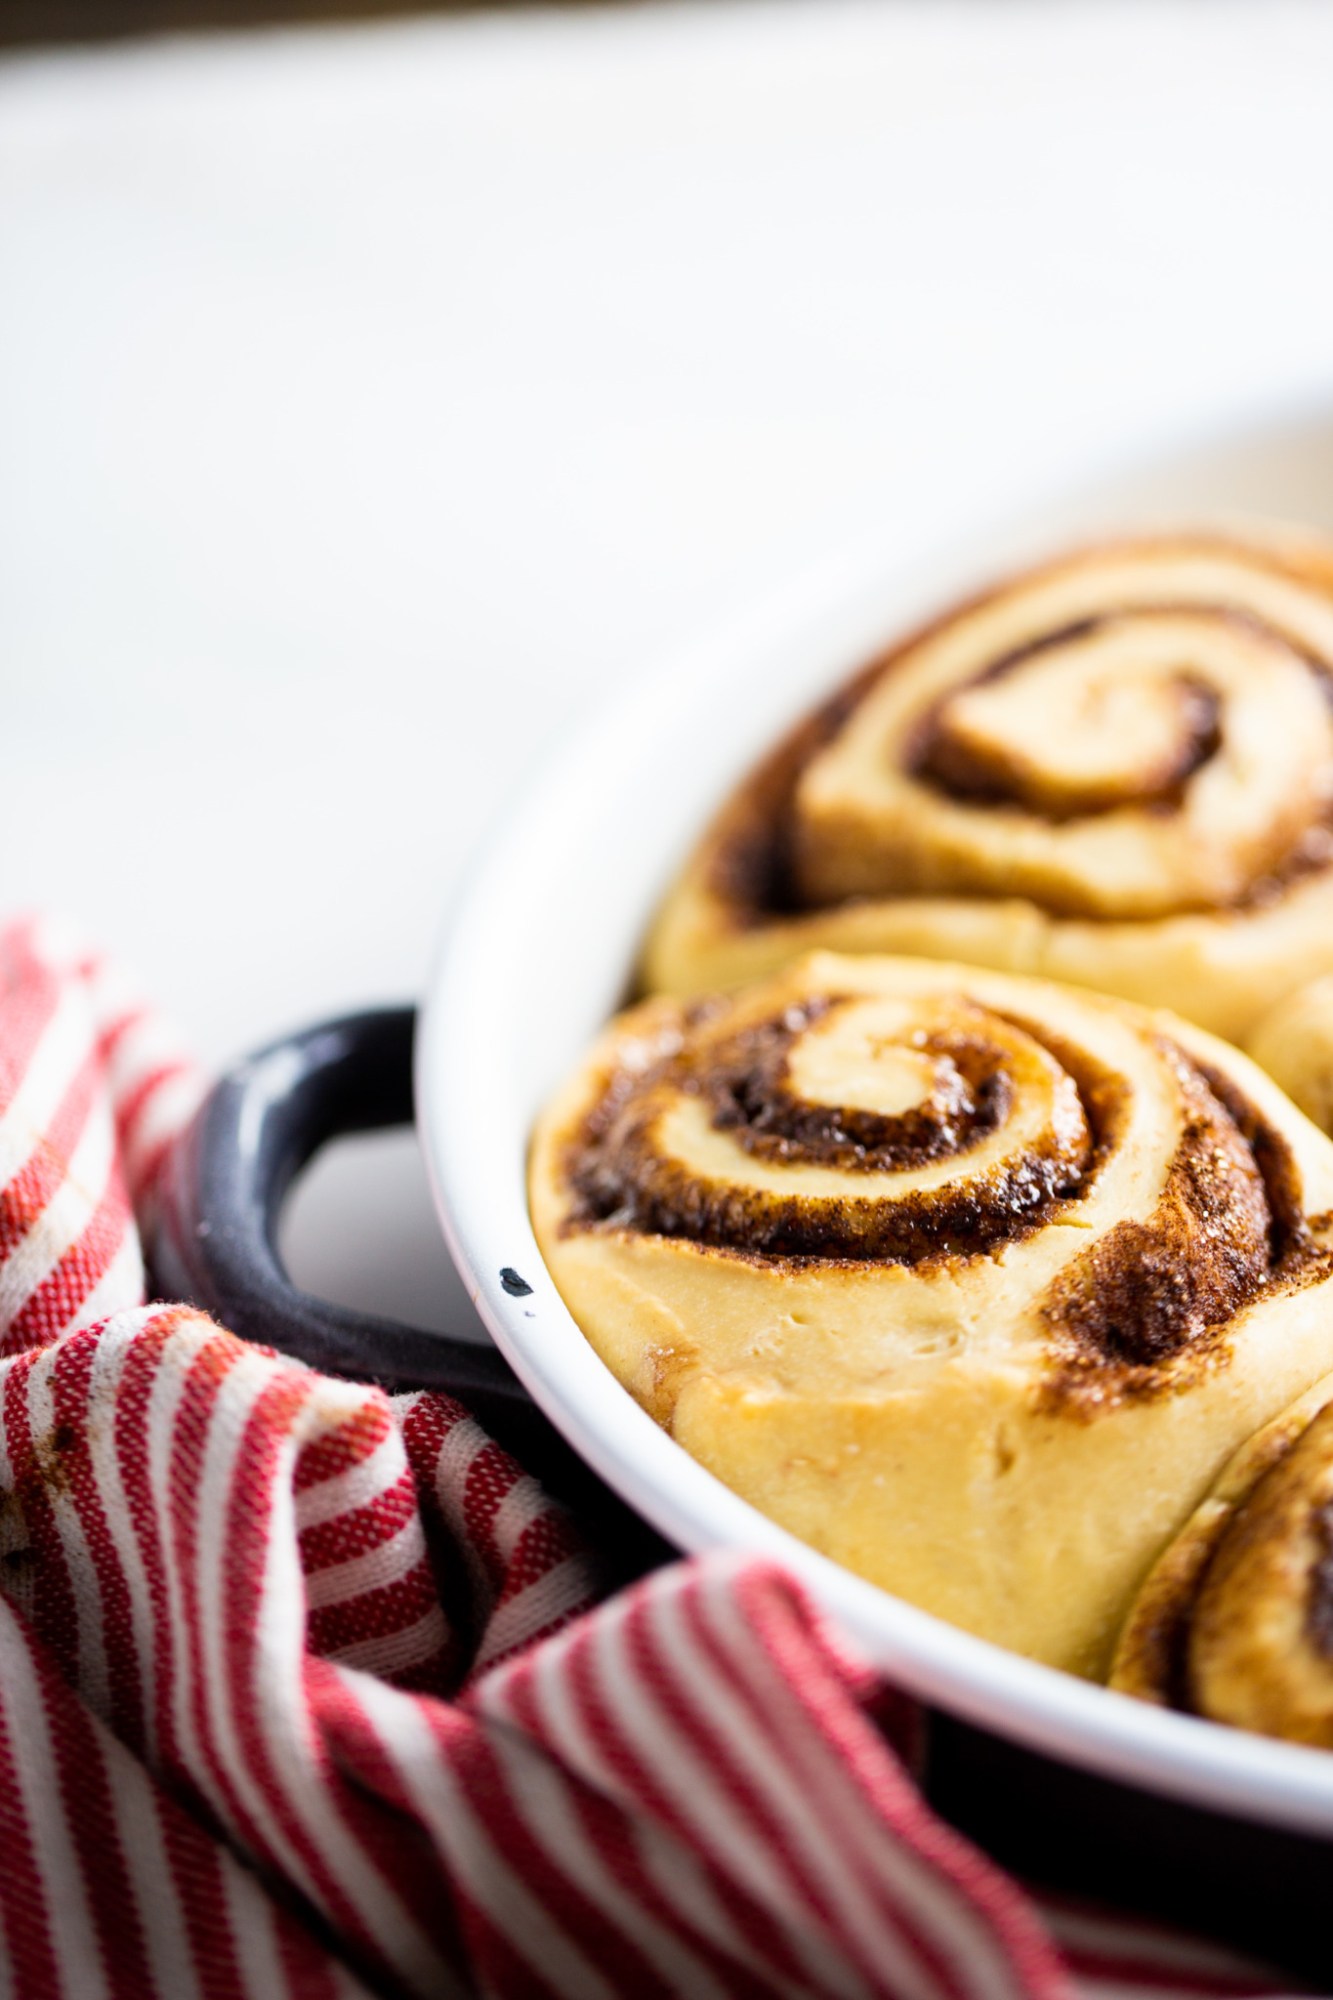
[
  {"x": 217, "y": 1238},
  {"x": 215, "y": 1244}
]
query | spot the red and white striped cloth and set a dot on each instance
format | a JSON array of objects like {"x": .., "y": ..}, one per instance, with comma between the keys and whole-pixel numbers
[{"x": 304, "y": 1689}]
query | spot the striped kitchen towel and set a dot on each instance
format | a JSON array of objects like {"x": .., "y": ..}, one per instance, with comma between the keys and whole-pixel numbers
[{"x": 306, "y": 1689}]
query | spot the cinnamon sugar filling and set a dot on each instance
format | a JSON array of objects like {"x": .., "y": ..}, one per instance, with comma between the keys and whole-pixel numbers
[
  {"x": 756, "y": 863},
  {"x": 1147, "y": 1300},
  {"x": 621, "y": 1177},
  {"x": 1319, "y": 1603},
  {"x": 1147, "y": 1293},
  {"x": 983, "y": 768}
]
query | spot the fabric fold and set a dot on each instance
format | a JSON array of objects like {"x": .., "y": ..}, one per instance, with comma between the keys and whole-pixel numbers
[{"x": 306, "y": 1689}]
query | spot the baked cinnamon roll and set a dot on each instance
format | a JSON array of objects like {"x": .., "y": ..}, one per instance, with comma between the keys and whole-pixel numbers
[
  {"x": 1236, "y": 1620},
  {"x": 1115, "y": 770},
  {"x": 971, "y": 1281}
]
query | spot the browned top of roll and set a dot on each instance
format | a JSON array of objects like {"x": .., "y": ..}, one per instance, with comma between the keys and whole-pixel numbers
[
  {"x": 1138, "y": 730},
  {"x": 932, "y": 1128}
]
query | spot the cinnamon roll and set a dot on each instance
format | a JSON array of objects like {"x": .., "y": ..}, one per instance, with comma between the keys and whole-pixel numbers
[
  {"x": 1115, "y": 770},
  {"x": 971, "y": 1281},
  {"x": 1236, "y": 1620}
]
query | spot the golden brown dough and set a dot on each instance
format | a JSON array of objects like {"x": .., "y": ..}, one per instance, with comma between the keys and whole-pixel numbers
[
  {"x": 971, "y": 1281},
  {"x": 1236, "y": 1620},
  {"x": 1294, "y": 1043},
  {"x": 1115, "y": 770}
]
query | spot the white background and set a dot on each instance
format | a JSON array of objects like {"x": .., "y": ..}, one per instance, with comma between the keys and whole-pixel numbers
[{"x": 370, "y": 400}]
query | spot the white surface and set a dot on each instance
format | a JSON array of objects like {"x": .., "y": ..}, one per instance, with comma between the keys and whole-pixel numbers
[
  {"x": 493, "y": 1042},
  {"x": 369, "y": 400}
]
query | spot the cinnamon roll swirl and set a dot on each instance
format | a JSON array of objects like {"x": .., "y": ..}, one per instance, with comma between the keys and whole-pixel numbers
[
  {"x": 1115, "y": 770},
  {"x": 971, "y": 1281},
  {"x": 1236, "y": 1620}
]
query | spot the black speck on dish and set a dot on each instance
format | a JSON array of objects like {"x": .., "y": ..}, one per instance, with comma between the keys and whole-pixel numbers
[{"x": 517, "y": 1288}]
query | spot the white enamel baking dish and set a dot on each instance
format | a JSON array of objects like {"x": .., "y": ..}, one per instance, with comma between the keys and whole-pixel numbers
[{"x": 538, "y": 952}]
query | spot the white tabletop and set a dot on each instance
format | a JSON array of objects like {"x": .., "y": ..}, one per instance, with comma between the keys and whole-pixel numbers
[{"x": 372, "y": 399}]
